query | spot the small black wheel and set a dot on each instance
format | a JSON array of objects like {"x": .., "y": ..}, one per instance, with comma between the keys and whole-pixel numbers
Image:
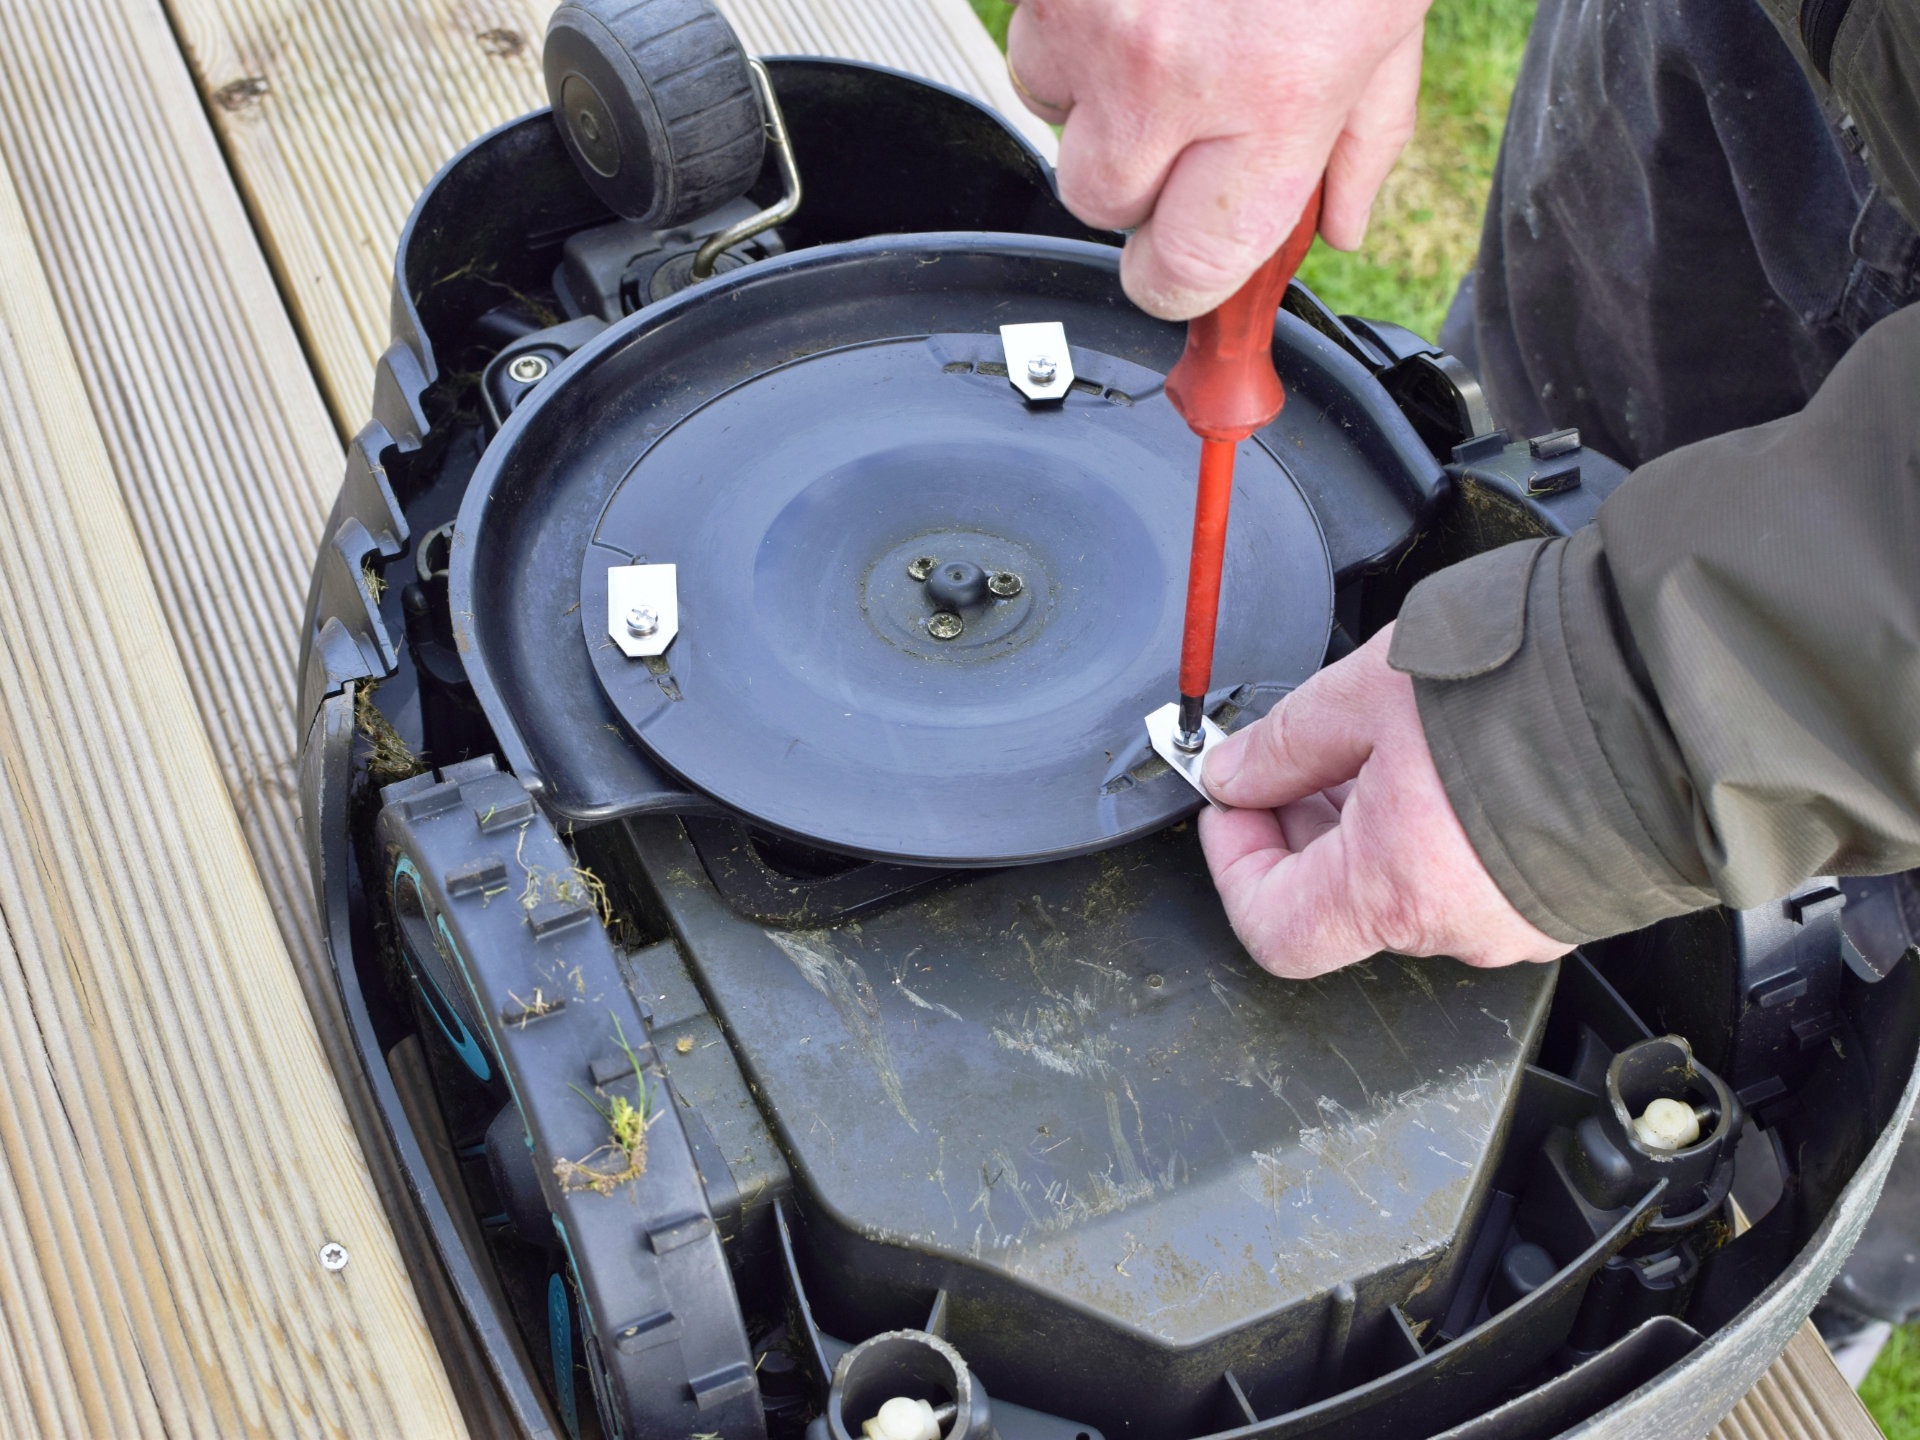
[{"x": 656, "y": 104}]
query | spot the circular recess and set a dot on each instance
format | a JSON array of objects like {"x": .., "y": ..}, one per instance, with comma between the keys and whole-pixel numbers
[{"x": 987, "y": 707}]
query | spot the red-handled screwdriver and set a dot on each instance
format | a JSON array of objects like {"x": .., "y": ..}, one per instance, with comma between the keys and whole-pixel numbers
[{"x": 1225, "y": 388}]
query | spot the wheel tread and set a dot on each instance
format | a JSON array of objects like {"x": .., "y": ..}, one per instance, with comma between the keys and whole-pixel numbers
[{"x": 690, "y": 105}]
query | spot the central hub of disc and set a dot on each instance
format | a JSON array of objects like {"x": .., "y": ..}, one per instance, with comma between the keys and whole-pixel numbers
[
  {"x": 919, "y": 619},
  {"x": 957, "y": 595}
]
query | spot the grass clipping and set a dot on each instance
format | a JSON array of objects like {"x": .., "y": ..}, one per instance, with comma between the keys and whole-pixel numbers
[
  {"x": 388, "y": 756},
  {"x": 623, "y": 1157},
  {"x": 575, "y": 885}
]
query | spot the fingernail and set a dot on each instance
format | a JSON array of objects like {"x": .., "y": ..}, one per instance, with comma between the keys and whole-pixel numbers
[{"x": 1223, "y": 762}]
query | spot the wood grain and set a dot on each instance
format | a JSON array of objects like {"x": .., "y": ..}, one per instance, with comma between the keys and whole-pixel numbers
[
  {"x": 333, "y": 116},
  {"x": 1803, "y": 1396},
  {"x": 175, "y": 1151},
  {"x": 218, "y": 440},
  {"x": 336, "y": 112}
]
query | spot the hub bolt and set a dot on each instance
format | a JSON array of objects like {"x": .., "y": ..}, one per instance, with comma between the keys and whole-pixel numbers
[
  {"x": 528, "y": 368},
  {"x": 945, "y": 625},
  {"x": 1004, "y": 583},
  {"x": 1041, "y": 369},
  {"x": 642, "y": 622},
  {"x": 921, "y": 568}
]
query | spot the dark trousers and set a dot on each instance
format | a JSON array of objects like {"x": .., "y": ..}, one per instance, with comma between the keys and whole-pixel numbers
[{"x": 1681, "y": 238}]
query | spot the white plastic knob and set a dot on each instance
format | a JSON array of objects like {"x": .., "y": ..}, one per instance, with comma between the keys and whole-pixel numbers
[
  {"x": 903, "y": 1419},
  {"x": 1667, "y": 1125}
]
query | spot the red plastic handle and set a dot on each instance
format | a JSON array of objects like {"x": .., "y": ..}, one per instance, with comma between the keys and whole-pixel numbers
[{"x": 1224, "y": 385}]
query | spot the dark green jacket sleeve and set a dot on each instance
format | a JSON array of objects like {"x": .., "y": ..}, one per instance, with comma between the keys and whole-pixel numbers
[{"x": 1713, "y": 691}]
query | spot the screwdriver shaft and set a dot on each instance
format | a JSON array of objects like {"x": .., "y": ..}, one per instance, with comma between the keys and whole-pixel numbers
[{"x": 1210, "y": 507}]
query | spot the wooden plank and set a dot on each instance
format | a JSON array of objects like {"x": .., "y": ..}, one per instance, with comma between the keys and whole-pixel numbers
[
  {"x": 175, "y": 1154},
  {"x": 336, "y": 112},
  {"x": 334, "y": 115},
  {"x": 1803, "y": 1396},
  {"x": 217, "y": 436}
]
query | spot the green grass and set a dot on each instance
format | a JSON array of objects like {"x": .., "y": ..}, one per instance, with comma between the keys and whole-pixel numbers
[
  {"x": 1426, "y": 224},
  {"x": 1892, "y": 1388},
  {"x": 994, "y": 14}
]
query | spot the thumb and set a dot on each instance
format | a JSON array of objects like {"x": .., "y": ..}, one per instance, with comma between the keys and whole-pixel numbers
[
  {"x": 1225, "y": 206},
  {"x": 1315, "y": 738}
]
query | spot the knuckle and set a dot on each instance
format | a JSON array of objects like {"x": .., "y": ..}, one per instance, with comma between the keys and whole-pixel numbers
[
  {"x": 1323, "y": 936},
  {"x": 1111, "y": 164},
  {"x": 1285, "y": 956},
  {"x": 1148, "y": 40},
  {"x": 1395, "y": 911},
  {"x": 1271, "y": 931},
  {"x": 1096, "y": 189},
  {"x": 1269, "y": 957},
  {"x": 1194, "y": 258},
  {"x": 1400, "y": 924},
  {"x": 1413, "y": 938}
]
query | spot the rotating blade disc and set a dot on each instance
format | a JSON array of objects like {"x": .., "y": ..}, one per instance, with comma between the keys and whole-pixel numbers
[{"x": 923, "y": 621}]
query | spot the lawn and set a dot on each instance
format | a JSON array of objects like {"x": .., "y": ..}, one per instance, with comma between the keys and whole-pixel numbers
[
  {"x": 1425, "y": 229},
  {"x": 1892, "y": 1388}
]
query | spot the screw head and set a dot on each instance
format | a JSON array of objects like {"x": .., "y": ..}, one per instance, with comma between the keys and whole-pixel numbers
[
  {"x": 1041, "y": 369},
  {"x": 642, "y": 622},
  {"x": 945, "y": 625},
  {"x": 1004, "y": 583},
  {"x": 922, "y": 567},
  {"x": 528, "y": 368},
  {"x": 333, "y": 1255}
]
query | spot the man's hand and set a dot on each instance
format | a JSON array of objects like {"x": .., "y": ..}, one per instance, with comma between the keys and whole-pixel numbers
[
  {"x": 1203, "y": 125},
  {"x": 1343, "y": 842}
]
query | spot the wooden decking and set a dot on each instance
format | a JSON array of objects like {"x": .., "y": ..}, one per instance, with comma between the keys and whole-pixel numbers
[{"x": 198, "y": 205}]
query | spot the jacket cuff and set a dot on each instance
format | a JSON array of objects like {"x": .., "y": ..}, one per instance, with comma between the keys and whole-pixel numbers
[{"x": 1551, "y": 747}]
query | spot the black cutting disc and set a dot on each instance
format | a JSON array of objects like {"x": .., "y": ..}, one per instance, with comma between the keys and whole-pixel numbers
[{"x": 922, "y": 620}]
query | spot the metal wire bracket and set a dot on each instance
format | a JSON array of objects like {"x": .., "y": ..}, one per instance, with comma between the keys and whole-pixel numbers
[{"x": 782, "y": 209}]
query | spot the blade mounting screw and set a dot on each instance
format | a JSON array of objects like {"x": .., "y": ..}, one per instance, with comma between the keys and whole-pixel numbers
[
  {"x": 1041, "y": 369},
  {"x": 642, "y": 622},
  {"x": 529, "y": 368}
]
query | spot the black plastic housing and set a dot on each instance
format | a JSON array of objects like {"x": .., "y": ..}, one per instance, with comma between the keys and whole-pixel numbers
[{"x": 725, "y": 958}]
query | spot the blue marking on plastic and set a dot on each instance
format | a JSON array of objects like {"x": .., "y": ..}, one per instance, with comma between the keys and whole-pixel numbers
[
  {"x": 444, "y": 1015},
  {"x": 476, "y": 1058},
  {"x": 560, "y": 1341}
]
